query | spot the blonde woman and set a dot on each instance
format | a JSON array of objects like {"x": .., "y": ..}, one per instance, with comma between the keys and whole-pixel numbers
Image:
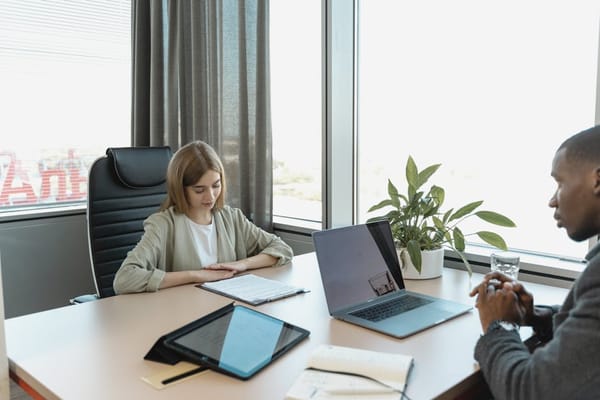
[{"x": 195, "y": 237}]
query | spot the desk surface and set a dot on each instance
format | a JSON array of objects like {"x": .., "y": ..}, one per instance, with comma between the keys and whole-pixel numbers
[{"x": 95, "y": 350}]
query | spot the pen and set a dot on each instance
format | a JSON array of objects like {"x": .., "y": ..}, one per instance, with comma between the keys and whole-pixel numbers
[
  {"x": 183, "y": 375},
  {"x": 281, "y": 296},
  {"x": 356, "y": 390}
]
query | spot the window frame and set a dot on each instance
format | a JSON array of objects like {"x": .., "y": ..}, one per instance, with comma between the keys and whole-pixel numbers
[
  {"x": 339, "y": 156},
  {"x": 340, "y": 146}
]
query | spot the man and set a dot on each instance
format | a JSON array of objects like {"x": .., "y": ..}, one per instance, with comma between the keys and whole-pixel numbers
[{"x": 567, "y": 366}]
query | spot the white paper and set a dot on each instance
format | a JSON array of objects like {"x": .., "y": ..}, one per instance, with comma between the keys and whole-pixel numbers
[
  {"x": 336, "y": 370},
  {"x": 253, "y": 289},
  {"x": 388, "y": 368},
  {"x": 320, "y": 385}
]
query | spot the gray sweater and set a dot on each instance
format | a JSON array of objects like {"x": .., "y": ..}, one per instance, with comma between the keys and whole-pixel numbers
[
  {"x": 568, "y": 366},
  {"x": 167, "y": 245}
]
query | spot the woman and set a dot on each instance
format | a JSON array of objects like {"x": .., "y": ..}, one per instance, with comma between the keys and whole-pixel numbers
[{"x": 195, "y": 238}]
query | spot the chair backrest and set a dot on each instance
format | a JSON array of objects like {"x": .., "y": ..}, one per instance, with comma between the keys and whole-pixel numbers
[{"x": 124, "y": 188}]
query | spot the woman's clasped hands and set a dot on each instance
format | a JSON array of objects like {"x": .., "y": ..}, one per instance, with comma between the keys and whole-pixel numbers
[{"x": 218, "y": 271}]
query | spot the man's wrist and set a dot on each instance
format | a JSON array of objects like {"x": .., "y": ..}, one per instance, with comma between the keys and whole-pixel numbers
[{"x": 504, "y": 325}]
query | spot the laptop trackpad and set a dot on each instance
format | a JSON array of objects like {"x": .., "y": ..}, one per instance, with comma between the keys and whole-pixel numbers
[{"x": 419, "y": 318}]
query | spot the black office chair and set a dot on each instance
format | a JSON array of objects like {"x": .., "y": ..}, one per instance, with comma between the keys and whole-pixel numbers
[{"x": 124, "y": 188}]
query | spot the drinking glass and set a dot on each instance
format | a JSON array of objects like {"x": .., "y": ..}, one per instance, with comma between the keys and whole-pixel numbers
[{"x": 506, "y": 263}]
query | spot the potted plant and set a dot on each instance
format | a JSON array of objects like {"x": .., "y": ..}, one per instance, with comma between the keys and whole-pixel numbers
[{"x": 418, "y": 223}]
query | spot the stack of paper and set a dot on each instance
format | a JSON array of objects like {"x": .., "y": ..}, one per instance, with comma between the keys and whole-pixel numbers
[
  {"x": 336, "y": 372},
  {"x": 252, "y": 289}
]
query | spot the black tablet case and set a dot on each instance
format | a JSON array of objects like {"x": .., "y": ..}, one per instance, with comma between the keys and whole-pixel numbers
[
  {"x": 162, "y": 354},
  {"x": 166, "y": 355}
]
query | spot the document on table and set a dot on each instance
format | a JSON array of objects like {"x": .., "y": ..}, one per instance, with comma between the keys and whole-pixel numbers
[
  {"x": 345, "y": 373},
  {"x": 252, "y": 289}
]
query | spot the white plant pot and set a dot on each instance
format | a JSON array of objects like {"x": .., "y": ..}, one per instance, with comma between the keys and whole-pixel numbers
[{"x": 432, "y": 262}]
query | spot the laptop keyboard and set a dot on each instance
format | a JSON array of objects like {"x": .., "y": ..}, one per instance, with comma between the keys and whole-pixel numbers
[{"x": 395, "y": 306}]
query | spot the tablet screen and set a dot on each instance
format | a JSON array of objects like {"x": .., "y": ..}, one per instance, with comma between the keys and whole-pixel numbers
[{"x": 240, "y": 341}]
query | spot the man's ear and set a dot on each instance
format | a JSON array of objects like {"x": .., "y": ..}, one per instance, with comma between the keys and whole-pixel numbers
[{"x": 597, "y": 181}]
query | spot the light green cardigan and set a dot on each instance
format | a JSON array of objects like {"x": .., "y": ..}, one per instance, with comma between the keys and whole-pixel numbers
[{"x": 167, "y": 245}]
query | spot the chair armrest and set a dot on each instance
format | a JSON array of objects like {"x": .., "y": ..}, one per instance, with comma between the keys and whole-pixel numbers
[{"x": 84, "y": 298}]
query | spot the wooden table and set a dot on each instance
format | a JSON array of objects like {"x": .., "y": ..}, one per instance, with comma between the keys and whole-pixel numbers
[{"x": 95, "y": 350}]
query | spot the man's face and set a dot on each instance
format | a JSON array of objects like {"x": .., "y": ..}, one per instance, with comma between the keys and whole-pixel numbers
[{"x": 576, "y": 201}]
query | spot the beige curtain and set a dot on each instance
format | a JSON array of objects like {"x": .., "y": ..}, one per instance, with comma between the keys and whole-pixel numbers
[{"x": 200, "y": 71}]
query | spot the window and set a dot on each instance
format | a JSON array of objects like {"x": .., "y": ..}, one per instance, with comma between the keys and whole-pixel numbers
[
  {"x": 65, "y": 77},
  {"x": 487, "y": 90},
  {"x": 295, "y": 43}
]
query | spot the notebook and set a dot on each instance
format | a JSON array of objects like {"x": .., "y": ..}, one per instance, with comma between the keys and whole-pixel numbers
[{"x": 363, "y": 282}]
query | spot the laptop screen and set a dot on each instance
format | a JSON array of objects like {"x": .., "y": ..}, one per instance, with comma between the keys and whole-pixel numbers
[{"x": 357, "y": 263}]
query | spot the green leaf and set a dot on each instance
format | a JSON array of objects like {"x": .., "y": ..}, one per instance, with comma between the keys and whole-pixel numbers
[
  {"x": 438, "y": 194},
  {"x": 412, "y": 173},
  {"x": 392, "y": 190},
  {"x": 414, "y": 251},
  {"x": 459, "y": 239},
  {"x": 381, "y": 204},
  {"x": 403, "y": 197},
  {"x": 430, "y": 211},
  {"x": 465, "y": 261},
  {"x": 447, "y": 236},
  {"x": 495, "y": 218},
  {"x": 393, "y": 214},
  {"x": 465, "y": 210},
  {"x": 424, "y": 175},
  {"x": 412, "y": 192},
  {"x": 492, "y": 238},
  {"x": 438, "y": 223},
  {"x": 447, "y": 215}
]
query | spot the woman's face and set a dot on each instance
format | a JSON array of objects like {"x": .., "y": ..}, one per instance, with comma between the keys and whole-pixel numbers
[{"x": 203, "y": 195}]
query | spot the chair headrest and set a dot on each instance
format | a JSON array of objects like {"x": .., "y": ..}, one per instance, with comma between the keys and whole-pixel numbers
[{"x": 139, "y": 167}]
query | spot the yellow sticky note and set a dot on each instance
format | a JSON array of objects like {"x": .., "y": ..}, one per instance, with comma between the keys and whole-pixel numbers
[{"x": 171, "y": 374}]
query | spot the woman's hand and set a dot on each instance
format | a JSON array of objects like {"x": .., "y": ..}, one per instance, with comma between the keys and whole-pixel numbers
[
  {"x": 211, "y": 275},
  {"x": 257, "y": 261},
  {"x": 195, "y": 276},
  {"x": 217, "y": 271},
  {"x": 236, "y": 266}
]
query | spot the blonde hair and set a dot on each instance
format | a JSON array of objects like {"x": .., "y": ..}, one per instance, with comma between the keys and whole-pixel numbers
[{"x": 186, "y": 167}]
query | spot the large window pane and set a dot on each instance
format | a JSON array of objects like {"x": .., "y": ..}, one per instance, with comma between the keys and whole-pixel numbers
[
  {"x": 489, "y": 90},
  {"x": 65, "y": 79},
  {"x": 295, "y": 45}
]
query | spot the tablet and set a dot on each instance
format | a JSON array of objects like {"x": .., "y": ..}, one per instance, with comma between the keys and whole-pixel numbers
[{"x": 235, "y": 340}]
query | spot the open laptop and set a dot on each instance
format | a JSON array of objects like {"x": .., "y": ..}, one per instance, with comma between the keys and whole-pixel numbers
[{"x": 362, "y": 280}]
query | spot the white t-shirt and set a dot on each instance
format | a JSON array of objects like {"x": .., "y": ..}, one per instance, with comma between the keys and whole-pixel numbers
[{"x": 205, "y": 241}]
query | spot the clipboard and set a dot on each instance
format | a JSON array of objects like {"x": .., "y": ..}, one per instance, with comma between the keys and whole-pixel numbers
[
  {"x": 234, "y": 340},
  {"x": 252, "y": 289}
]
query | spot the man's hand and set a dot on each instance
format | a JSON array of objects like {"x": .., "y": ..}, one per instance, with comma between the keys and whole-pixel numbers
[
  {"x": 501, "y": 298},
  {"x": 526, "y": 301}
]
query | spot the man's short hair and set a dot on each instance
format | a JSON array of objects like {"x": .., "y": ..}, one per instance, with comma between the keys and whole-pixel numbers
[{"x": 583, "y": 146}]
